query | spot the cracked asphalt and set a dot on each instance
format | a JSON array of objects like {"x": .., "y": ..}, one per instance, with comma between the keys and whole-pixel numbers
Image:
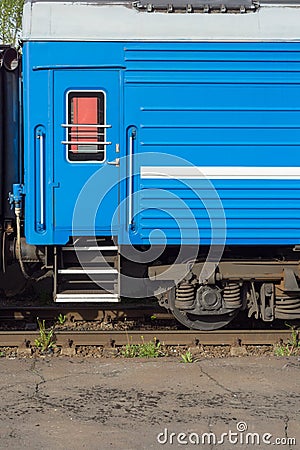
[{"x": 73, "y": 403}]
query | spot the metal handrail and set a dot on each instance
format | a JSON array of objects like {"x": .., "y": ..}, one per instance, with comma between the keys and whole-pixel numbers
[
  {"x": 130, "y": 193},
  {"x": 40, "y": 136}
]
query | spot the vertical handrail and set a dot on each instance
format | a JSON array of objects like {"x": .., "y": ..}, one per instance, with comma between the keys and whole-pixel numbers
[
  {"x": 40, "y": 136},
  {"x": 130, "y": 174}
]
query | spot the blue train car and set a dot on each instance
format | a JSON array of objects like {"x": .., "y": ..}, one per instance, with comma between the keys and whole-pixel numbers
[{"x": 161, "y": 154}]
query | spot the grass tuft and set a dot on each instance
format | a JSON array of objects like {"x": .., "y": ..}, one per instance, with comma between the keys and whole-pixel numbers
[
  {"x": 150, "y": 349},
  {"x": 187, "y": 357},
  {"x": 46, "y": 339},
  {"x": 292, "y": 347}
]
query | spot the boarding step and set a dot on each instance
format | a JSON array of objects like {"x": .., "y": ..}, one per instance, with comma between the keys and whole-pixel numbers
[
  {"x": 87, "y": 270},
  {"x": 85, "y": 255},
  {"x": 86, "y": 297}
]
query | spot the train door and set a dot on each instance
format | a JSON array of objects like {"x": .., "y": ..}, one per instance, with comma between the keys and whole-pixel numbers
[{"x": 86, "y": 146}]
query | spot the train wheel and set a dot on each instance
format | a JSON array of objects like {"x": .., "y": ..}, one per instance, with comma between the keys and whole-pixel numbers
[{"x": 203, "y": 323}]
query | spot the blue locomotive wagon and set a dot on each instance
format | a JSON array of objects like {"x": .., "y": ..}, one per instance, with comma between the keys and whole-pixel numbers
[{"x": 161, "y": 154}]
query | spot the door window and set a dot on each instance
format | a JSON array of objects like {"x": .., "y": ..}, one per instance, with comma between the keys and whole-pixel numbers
[{"x": 86, "y": 127}]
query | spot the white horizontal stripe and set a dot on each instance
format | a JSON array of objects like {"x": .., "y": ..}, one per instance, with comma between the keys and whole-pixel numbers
[
  {"x": 108, "y": 248},
  {"x": 220, "y": 172}
]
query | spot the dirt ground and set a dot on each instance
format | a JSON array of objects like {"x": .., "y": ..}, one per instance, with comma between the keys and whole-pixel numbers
[{"x": 73, "y": 403}]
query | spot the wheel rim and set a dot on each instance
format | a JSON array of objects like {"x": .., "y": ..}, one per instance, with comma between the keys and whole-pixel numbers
[{"x": 204, "y": 323}]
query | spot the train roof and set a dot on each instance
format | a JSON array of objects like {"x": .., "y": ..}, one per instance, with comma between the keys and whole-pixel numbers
[{"x": 161, "y": 20}]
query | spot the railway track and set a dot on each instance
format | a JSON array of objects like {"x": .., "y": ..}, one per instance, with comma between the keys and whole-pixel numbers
[
  {"x": 73, "y": 339},
  {"x": 73, "y": 313}
]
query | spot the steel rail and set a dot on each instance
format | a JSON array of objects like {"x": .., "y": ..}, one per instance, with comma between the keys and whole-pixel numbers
[
  {"x": 119, "y": 338},
  {"x": 116, "y": 311}
]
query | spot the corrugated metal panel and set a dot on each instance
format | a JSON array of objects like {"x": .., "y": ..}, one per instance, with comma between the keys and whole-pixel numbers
[{"x": 217, "y": 105}]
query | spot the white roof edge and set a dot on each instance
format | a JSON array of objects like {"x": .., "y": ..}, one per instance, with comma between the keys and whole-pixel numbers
[{"x": 46, "y": 21}]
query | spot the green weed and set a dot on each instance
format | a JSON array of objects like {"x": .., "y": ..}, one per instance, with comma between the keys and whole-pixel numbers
[
  {"x": 61, "y": 318},
  {"x": 292, "y": 347},
  {"x": 187, "y": 357},
  {"x": 150, "y": 349},
  {"x": 46, "y": 339}
]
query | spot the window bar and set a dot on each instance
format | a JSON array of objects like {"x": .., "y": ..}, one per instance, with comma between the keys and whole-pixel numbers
[
  {"x": 85, "y": 143},
  {"x": 70, "y": 125}
]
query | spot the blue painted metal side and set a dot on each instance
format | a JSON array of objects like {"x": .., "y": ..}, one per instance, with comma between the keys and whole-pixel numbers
[
  {"x": 53, "y": 190},
  {"x": 209, "y": 104}
]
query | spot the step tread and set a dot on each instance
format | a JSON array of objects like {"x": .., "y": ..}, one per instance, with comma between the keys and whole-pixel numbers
[
  {"x": 86, "y": 291},
  {"x": 104, "y": 297},
  {"x": 89, "y": 270}
]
